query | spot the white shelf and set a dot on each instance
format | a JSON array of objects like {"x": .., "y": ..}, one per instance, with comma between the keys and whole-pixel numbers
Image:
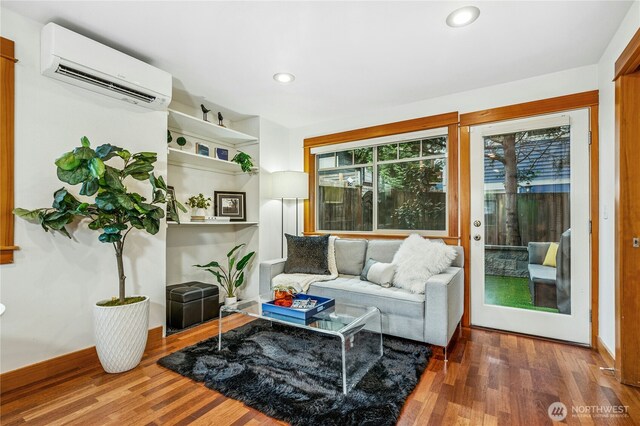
[
  {"x": 190, "y": 159},
  {"x": 200, "y": 128},
  {"x": 211, "y": 223}
]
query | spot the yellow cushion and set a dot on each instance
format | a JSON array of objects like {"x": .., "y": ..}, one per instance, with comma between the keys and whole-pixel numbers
[{"x": 550, "y": 258}]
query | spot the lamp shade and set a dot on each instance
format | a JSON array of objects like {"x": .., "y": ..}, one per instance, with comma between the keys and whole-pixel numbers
[{"x": 290, "y": 184}]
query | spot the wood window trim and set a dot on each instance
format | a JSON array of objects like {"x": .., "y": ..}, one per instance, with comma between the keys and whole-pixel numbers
[
  {"x": 448, "y": 120},
  {"x": 530, "y": 109},
  {"x": 7, "y": 115}
]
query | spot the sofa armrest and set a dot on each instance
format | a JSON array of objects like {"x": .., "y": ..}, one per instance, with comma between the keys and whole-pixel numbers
[
  {"x": 443, "y": 305},
  {"x": 268, "y": 270},
  {"x": 537, "y": 252}
]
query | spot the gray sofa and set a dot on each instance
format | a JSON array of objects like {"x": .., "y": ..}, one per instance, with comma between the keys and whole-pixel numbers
[{"x": 431, "y": 317}]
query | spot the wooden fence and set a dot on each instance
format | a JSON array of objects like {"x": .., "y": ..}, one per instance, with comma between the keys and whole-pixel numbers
[{"x": 542, "y": 217}]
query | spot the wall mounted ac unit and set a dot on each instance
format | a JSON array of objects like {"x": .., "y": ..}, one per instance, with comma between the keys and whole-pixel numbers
[{"x": 78, "y": 60}]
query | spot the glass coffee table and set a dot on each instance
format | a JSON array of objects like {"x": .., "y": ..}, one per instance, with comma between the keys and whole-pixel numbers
[{"x": 359, "y": 329}]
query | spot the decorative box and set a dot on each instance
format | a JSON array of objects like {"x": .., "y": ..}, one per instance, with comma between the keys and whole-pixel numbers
[
  {"x": 301, "y": 314},
  {"x": 191, "y": 303}
]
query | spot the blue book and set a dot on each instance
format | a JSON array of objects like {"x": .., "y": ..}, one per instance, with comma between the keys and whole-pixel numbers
[{"x": 222, "y": 154}]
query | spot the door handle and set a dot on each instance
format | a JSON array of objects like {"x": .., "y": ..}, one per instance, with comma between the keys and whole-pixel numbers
[
  {"x": 477, "y": 223},
  {"x": 477, "y": 237}
]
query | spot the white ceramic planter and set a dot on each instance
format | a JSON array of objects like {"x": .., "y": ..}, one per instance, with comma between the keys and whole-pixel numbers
[
  {"x": 230, "y": 300},
  {"x": 198, "y": 214},
  {"x": 121, "y": 335}
]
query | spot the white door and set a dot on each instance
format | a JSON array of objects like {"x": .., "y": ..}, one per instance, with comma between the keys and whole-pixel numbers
[{"x": 530, "y": 188}]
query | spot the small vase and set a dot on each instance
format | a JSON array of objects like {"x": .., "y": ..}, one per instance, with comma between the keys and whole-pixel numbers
[{"x": 230, "y": 300}]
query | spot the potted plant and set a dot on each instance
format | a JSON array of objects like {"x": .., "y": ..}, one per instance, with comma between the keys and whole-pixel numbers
[
  {"x": 244, "y": 160},
  {"x": 198, "y": 206},
  {"x": 121, "y": 324},
  {"x": 231, "y": 277},
  {"x": 283, "y": 295}
]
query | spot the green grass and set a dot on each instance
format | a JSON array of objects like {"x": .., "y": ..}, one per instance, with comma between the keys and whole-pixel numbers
[{"x": 510, "y": 291}]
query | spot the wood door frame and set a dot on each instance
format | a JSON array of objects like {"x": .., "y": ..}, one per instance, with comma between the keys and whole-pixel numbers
[
  {"x": 530, "y": 109},
  {"x": 627, "y": 295}
]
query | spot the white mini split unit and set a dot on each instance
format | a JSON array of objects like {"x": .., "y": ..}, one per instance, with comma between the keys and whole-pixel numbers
[{"x": 78, "y": 60}]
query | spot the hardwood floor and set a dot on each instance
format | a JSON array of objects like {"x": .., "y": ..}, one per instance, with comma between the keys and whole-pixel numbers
[{"x": 491, "y": 378}]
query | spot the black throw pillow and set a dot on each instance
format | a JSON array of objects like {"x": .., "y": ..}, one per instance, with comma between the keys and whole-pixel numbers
[{"x": 307, "y": 255}]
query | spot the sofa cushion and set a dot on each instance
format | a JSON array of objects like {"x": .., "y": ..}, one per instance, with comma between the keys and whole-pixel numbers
[
  {"x": 307, "y": 255},
  {"x": 419, "y": 259},
  {"x": 388, "y": 300},
  {"x": 382, "y": 250},
  {"x": 541, "y": 273},
  {"x": 378, "y": 273},
  {"x": 350, "y": 256},
  {"x": 550, "y": 258}
]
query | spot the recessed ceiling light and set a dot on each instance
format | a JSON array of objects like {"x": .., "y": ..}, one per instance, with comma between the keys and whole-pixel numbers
[
  {"x": 284, "y": 77},
  {"x": 463, "y": 16}
]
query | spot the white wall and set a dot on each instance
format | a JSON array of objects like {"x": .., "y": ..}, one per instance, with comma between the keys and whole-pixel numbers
[
  {"x": 546, "y": 86},
  {"x": 606, "y": 86},
  {"x": 50, "y": 289},
  {"x": 274, "y": 156}
]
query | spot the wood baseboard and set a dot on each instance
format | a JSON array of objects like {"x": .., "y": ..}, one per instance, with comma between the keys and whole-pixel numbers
[
  {"x": 43, "y": 370},
  {"x": 606, "y": 356}
]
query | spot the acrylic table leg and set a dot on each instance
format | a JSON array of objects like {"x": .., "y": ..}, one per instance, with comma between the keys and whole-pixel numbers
[
  {"x": 220, "y": 331},
  {"x": 344, "y": 364}
]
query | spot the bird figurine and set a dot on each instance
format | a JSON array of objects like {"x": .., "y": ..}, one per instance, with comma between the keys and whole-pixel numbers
[{"x": 204, "y": 112}]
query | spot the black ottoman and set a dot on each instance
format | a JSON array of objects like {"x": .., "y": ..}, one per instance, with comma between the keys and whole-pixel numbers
[{"x": 191, "y": 303}]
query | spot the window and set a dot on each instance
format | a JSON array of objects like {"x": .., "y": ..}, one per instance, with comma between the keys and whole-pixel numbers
[
  {"x": 385, "y": 187},
  {"x": 385, "y": 181}
]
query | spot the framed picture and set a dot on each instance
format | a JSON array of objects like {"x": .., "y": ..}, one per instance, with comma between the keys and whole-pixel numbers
[
  {"x": 202, "y": 149},
  {"x": 231, "y": 204},
  {"x": 222, "y": 154},
  {"x": 172, "y": 208}
]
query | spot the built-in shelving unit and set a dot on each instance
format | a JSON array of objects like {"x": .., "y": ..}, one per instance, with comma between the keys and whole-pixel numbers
[
  {"x": 193, "y": 126},
  {"x": 178, "y": 157},
  {"x": 189, "y": 173}
]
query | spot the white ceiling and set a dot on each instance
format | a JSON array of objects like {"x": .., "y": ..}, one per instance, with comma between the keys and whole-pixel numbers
[{"x": 348, "y": 57}]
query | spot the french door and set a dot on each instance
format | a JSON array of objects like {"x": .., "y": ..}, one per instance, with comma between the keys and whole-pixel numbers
[{"x": 530, "y": 242}]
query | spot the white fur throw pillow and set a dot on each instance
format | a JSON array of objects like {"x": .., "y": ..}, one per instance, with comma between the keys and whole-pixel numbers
[{"x": 419, "y": 259}]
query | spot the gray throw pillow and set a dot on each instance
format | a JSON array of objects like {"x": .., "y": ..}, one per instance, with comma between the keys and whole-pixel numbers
[
  {"x": 378, "y": 273},
  {"x": 307, "y": 255}
]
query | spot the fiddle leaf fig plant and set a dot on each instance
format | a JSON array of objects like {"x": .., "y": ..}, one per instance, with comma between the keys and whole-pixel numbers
[
  {"x": 231, "y": 277},
  {"x": 107, "y": 204}
]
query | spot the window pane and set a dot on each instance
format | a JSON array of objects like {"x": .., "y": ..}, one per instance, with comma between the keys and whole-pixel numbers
[
  {"x": 388, "y": 152},
  {"x": 345, "y": 158},
  {"x": 410, "y": 149},
  {"x": 527, "y": 193},
  {"x": 345, "y": 199},
  {"x": 363, "y": 155},
  {"x": 411, "y": 195},
  {"x": 434, "y": 146},
  {"x": 326, "y": 161}
]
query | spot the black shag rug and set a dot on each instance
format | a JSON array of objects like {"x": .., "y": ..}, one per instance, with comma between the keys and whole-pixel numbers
[{"x": 294, "y": 375}]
